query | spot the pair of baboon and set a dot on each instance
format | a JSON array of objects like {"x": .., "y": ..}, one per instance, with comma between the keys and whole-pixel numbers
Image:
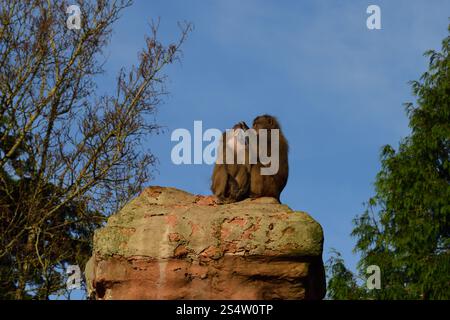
[{"x": 232, "y": 182}]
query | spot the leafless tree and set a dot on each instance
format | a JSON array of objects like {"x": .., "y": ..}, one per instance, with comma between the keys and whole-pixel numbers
[{"x": 68, "y": 156}]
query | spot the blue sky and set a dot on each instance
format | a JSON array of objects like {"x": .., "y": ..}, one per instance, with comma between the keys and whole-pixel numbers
[{"x": 336, "y": 87}]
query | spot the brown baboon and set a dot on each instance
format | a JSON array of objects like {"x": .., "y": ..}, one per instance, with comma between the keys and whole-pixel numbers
[
  {"x": 231, "y": 181},
  {"x": 269, "y": 185}
]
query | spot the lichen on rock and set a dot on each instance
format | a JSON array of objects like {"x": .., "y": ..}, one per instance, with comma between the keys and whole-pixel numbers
[{"x": 169, "y": 244}]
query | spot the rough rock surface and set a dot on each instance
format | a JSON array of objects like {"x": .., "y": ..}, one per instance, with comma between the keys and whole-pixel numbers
[{"x": 169, "y": 244}]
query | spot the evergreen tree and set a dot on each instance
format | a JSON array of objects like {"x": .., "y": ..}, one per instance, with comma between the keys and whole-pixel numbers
[{"x": 405, "y": 228}]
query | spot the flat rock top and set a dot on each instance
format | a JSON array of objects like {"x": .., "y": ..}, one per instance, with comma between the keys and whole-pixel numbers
[{"x": 164, "y": 223}]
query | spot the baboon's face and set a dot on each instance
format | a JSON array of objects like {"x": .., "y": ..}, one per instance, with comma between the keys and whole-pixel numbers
[
  {"x": 238, "y": 136},
  {"x": 237, "y": 141}
]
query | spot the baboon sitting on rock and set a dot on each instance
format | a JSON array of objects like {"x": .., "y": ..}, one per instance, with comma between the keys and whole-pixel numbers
[{"x": 251, "y": 177}]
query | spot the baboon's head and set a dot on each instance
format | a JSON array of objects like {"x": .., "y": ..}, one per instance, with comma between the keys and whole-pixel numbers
[
  {"x": 238, "y": 137},
  {"x": 265, "y": 122},
  {"x": 241, "y": 125}
]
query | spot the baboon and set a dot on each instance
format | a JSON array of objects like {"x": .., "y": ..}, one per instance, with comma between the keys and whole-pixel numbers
[
  {"x": 231, "y": 182},
  {"x": 269, "y": 185}
]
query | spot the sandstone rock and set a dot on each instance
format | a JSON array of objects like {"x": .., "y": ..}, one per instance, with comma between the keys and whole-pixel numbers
[{"x": 169, "y": 244}]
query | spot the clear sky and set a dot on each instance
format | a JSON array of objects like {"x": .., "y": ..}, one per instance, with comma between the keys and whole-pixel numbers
[{"x": 336, "y": 87}]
